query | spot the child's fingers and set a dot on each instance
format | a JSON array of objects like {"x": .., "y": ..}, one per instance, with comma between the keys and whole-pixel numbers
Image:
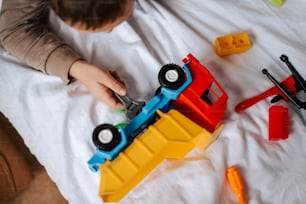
[
  {"x": 112, "y": 101},
  {"x": 111, "y": 82},
  {"x": 105, "y": 95},
  {"x": 116, "y": 76}
]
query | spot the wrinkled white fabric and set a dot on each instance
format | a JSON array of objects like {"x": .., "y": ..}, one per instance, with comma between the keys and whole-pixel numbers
[{"x": 56, "y": 121}]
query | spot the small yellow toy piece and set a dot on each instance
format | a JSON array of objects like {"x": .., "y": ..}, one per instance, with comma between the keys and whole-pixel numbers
[
  {"x": 278, "y": 3},
  {"x": 232, "y": 44},
  {"x": 172, "y": 136}
]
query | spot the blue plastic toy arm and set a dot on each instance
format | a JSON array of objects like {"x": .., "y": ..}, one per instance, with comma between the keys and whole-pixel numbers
[{"x": 94, "y": 162}]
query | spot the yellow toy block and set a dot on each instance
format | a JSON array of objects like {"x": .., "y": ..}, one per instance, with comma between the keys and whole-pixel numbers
[
  {"x": 232, "y": 44},
  {"x": 278, "y": 3},
  {"x": 172, "y": 136}
]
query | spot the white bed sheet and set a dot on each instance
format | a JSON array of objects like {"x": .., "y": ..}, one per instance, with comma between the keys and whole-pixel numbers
[{"x": 56, "y": 121}]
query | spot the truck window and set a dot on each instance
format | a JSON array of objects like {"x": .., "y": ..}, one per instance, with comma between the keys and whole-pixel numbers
[{"x": 211, "y": 94}]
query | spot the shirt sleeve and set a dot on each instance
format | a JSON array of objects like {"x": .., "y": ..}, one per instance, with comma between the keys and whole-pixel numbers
[{"x": 25, "y": 34}]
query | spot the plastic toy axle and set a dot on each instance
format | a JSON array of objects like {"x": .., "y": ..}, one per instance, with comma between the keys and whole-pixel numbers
[{"x": 236, "y": 184}]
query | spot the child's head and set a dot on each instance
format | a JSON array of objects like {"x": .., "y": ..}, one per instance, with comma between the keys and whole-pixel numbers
[{"x": 93, "y": 15}]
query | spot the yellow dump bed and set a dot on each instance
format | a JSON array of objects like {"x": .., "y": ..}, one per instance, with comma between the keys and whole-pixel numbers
[{"x": 172, "y": 136}]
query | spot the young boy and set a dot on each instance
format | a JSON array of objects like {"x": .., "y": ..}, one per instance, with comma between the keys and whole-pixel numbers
[{"x": 23, "y": 32}]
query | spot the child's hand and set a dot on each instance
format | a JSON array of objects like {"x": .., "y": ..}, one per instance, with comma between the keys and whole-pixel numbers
[{"x": 100, "y": 82}]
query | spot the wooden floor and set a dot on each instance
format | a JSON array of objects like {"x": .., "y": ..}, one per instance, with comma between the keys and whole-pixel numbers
[{"x": 41, "y": 190}]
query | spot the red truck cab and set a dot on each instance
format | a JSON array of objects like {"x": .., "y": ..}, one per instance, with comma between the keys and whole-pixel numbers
[{"x": 204, "y": 100}]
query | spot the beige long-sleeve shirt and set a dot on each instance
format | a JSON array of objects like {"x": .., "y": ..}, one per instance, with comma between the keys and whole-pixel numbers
[{"x": 25, "y": 34}]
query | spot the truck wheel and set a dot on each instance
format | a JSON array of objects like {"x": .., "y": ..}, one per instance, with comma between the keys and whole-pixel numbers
[
  {"x": 106, "y": 137},
  {"x": 157, "y": 91},
  {"x": 171, "y": 76}
]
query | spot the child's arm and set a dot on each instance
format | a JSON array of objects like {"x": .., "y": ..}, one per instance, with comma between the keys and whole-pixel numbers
[{"x": 24, "y": 33}]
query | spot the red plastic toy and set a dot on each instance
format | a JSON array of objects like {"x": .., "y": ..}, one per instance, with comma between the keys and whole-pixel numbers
[
  {"x": 204, "y": 100},
  {"x": 289, "y": 83},
  {"x": 284, "y": 90},
  {"x": 278, "y": 122}
]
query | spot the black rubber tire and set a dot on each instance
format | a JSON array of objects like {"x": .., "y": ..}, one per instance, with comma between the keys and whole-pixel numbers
[
  {"x": 164, "y": 82},
  {"x": 116, "y": 137}
]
